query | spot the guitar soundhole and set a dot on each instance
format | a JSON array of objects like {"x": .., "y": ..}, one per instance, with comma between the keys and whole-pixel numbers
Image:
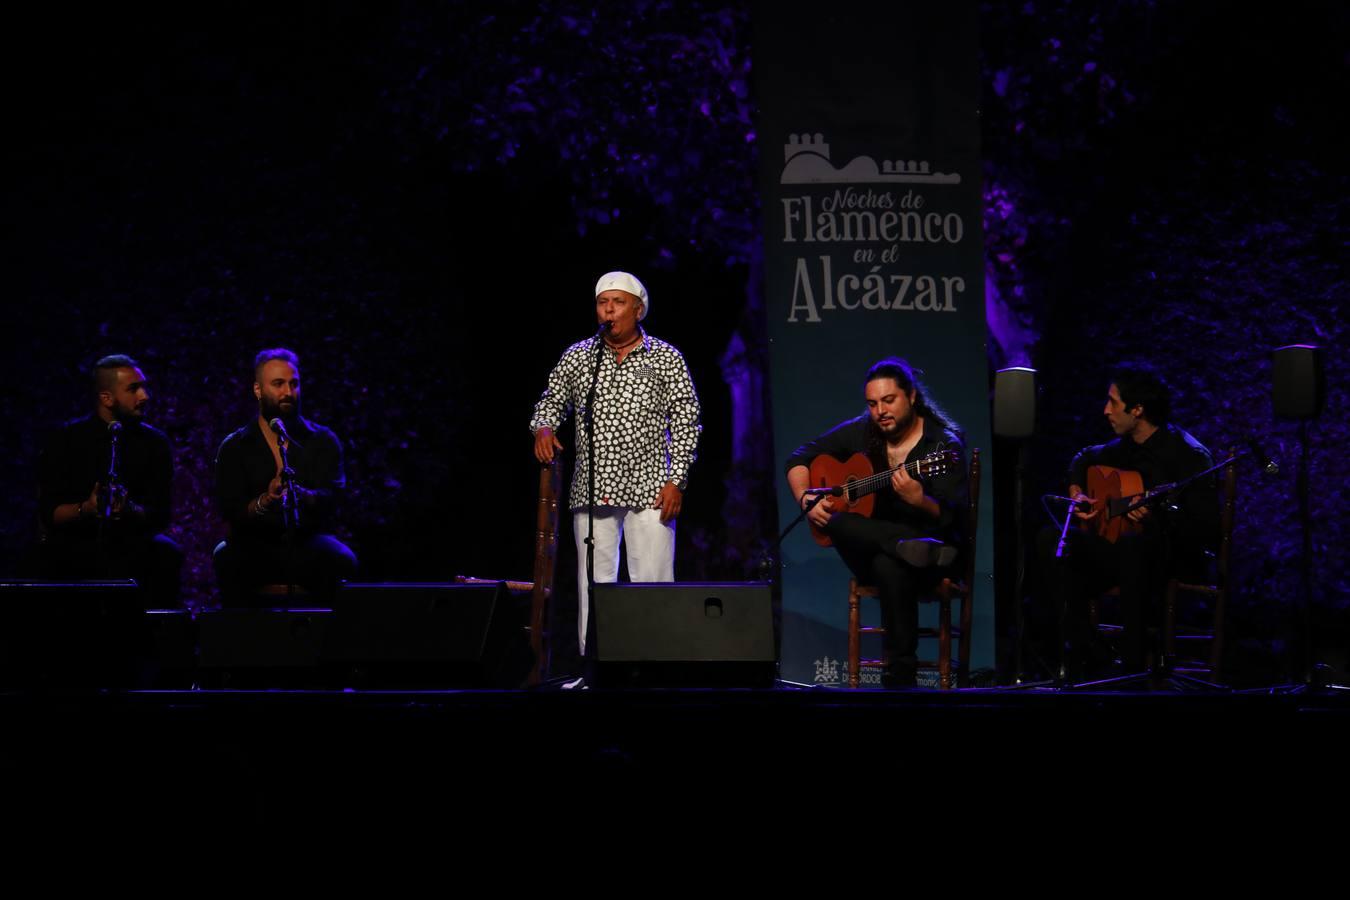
[{"x": 849, "y": 495}]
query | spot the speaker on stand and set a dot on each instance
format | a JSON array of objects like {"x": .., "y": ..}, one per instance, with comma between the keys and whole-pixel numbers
[
  {"x": 1298, "y": 391},
  {"x": 1015, "y": 421}
]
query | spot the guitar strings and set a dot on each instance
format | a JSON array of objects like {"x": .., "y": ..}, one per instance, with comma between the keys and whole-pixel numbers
[{"x": 877, "y": 480}]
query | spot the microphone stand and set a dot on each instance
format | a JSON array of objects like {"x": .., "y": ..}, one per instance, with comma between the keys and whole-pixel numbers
[
  {"x": 290, "y": 515},
  {"x": 817, "y": 495},
  {"x": 105, "y": 503},
  {"x": 766, "y": 566},
  {"x": 1062, "y": 675},
  {"x": 772, "y": 573},
  {"x": 590, "y": 478}
]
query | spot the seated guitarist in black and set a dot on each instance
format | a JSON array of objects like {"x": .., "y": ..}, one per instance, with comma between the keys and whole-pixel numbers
[
  {"x": 1172, "y": 535},
  {"x": 916, "y": 526}
]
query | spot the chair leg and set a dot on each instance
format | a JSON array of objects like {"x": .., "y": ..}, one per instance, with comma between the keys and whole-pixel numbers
[
  {"x": 1216, "y": 644},
  {"x": 945, "y": 639},
  {"x": 854, "y": 637},
  {"x": 1170, "y": 624},
  {"x": 963, "y": 671}
]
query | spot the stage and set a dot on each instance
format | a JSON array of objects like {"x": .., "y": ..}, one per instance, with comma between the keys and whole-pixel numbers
[
  {"x": 1021, "y": 195},
  {"x": 256, "y": 759}
]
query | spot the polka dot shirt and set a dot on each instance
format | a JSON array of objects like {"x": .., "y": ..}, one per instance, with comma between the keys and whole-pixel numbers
[{"x": 646, "y": 420}]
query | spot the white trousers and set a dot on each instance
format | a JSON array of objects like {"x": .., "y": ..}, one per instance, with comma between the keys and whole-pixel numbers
[{"x": 648, "y": 543}]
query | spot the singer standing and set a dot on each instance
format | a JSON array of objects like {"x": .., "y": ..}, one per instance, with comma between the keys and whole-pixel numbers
[
  {"x": 646, "y": 437},
  {"x": 916, "y": 526},
  {"x": 251, "y": 494},
  {"x": 97, "y": 526}
]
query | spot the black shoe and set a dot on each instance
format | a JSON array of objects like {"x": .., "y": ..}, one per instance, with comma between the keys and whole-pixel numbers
[
  {"x": 899, "y": 681},
  {"x": 921, "y": 553}
]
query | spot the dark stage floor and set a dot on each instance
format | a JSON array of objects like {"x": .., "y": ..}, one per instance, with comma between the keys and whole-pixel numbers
[{"x": 252, "y": 759}]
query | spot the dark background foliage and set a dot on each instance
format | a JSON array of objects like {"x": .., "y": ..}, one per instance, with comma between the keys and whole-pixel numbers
[{"x": 417, "y": 198}]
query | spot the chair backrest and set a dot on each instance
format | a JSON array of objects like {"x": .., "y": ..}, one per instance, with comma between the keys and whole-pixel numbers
[{"x": 1227, "y": 514}]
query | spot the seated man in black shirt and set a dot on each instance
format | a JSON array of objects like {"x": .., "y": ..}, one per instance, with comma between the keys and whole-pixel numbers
[
  {"x": 1162, "y": 540},
  {"x": 96, "y": 529},
  {"x": 916, "y": 525},
  {"x": 261, "y": 549}
]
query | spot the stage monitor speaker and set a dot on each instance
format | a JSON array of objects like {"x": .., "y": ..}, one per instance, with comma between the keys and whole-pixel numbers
[
  {"x": 173, "y": 641},
  {"x": 72, "y": 634},
  {"x": 1015, "y": 402},
  {"x": 261, "y": 648},
  {"x": 687, "y": 634},
  {"x": 1298, "y": 381},
  {"x": 428, "y": 636}
]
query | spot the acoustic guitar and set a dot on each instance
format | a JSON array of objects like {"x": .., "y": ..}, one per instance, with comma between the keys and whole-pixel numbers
[
  {"x": 1115, "y": 492},
  {"x": 857, "y": 482}
]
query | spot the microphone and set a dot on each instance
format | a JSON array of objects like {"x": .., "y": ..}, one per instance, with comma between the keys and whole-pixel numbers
[
  {"x": 1079, "y": 505},
  {"x": 1268, "y": 463},
  {"x": 114, "y": 427},
  {"x": 604, "y": 329},
  {"x": 279, "y": 429},
  {"x": 823, "y": 491}
]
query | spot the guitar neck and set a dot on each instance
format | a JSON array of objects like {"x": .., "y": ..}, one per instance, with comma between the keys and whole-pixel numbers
[
  {"x": 1119, "y": 506},
  {"x": 873, "y": 483}
]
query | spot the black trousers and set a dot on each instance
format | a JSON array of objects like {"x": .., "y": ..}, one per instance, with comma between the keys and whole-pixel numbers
[
  {"x": 316, "y": 562},
  {"x": 867, "y": 547},
  {"x": 1139, "y": 564},
  {"x": 154, "y": 561}
]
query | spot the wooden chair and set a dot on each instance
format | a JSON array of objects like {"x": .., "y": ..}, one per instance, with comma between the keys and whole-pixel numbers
[
  {"x": 1217, "y": 591},
  {"x": 545, "y": 556},
  {"x": 949, "y": 589}
]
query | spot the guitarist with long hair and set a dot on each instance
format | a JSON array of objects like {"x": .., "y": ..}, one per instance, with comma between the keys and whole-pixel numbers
[
  {"x": 1140, "y": 549},
  {"x": 914, "y": 529}
]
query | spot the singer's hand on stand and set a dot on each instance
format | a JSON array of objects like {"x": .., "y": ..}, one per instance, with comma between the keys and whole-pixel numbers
[
  {"x": 273, "y": 497},
  {"x": 118, "y": 503},
  {"x": 545, "y": 444},
  {"x": 93, "y": 502},
  {"x": 115, "y": 497}
]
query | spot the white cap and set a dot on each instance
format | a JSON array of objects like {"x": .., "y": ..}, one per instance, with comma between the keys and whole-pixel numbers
[{"x": 622, "y": 281}]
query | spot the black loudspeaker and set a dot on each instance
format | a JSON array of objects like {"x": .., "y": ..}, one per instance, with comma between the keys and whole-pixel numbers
[
  {"x": 72, "y": 634},
  {"x": 1015, "y": 402},
  {"x": 428, "y": 636},
  {"x": 261, "y": 648},
  {"x": 684, "y": 635},
  {"x": 173, "y": 642},
  {"x": 1298, "y": 381}
]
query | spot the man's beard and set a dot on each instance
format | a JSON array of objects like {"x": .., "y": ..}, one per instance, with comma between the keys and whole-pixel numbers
[
  {"x": 128, "y": 414},
  {"x": 274, "y": 410},
  {"x": 900, "y": 428}
]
